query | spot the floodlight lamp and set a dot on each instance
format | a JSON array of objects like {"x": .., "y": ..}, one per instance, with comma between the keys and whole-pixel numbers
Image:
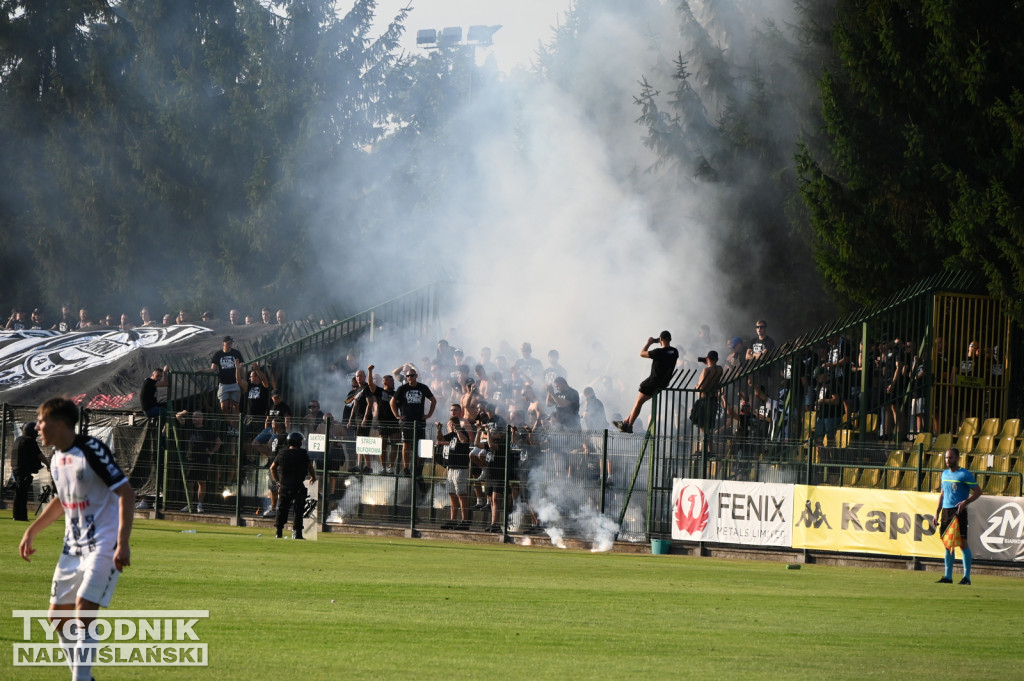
[
  {"x": 426, "y": 36},
  {"x": 484, "y": 35},
  {"x": 450, "y": 35}
]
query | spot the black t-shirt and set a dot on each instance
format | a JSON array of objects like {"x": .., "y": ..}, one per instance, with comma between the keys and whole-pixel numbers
[
  {"x": 384, "y": 413},
  {"x": 147, "y": 396},
  {"x": 26, "y": 458},
  {"x": 277, "y": 412},
  {"x": 663, "y": 363},
  {"x": 531, "y": 367},
  {"x": 568, "y": 416},
  {"x": 411, "y": 401},
  {"x": 759, "y": 346},
  {"x": 362, "y": 402},
  {"x": 225, "y": 362},
  {"x": 828, "y": 410},
  {"x": 257, "y": 400},
  {"x": 292, "y": 467},
  {"x": 454, "y": 454},
  {"x": 203, "y": 439}
]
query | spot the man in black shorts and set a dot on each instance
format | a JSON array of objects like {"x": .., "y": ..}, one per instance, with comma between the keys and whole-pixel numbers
[
  {"x": 408, "y": 407},
  {"x": 663, "y": 363}
]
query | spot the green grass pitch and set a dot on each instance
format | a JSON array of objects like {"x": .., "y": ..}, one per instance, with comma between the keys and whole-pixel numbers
[{"x": 348, "y": 607}]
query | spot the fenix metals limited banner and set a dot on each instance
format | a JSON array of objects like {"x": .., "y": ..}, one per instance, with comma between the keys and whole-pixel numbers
[{"x": 756, "y": 513}]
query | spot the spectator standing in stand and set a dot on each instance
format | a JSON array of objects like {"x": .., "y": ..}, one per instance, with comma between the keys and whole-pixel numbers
[
  {"x": 67, "y": 319},
  {"x": 227, "y": 364},
  {"x": 408, "y": 406}
]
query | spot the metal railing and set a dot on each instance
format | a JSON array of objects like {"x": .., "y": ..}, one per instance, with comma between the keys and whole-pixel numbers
[{"x": 415, "y": 314}]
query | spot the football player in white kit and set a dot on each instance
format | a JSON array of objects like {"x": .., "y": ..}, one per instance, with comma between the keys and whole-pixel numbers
[{"x": 98, "y": 506}]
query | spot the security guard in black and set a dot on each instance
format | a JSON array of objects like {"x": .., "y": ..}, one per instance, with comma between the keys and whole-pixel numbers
[{"x": 290, "y": 469}]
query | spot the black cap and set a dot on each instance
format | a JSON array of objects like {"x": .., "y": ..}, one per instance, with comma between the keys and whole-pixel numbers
[
  {"x": 29, "y": 429},
  {"x": 711, "y": 355},
  {"x": 295, "y": 439},
  {"x": 228, "y": 339},
  {"x": 275, "y": 393}
]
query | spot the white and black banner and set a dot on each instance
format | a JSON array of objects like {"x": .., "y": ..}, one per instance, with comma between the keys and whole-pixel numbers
[
  {"x": 30, "y": 356},
  {"x": 996, "y": 528},
  {"x": 757, "y": 513}
]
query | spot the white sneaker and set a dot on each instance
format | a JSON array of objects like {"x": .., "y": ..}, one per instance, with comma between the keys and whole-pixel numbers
[
  {"x": 270, "y": 513},
  {"x": 142, "y": 505},
  {"x": 199, "y": 508},
  {"x": 186, "y": 509}
]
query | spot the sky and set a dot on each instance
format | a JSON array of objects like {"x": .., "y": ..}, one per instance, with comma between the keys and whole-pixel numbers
[{"x": 524, "y": 23}]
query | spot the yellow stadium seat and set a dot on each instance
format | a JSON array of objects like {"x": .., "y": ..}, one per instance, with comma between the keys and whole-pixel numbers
[
  {"x": 964, "y": 442},
  {"x": 996, "y": 484},
  {"x": 989, "y": 427},
  {"x": 1014, "y": 483},
  {"x": 841, "y": 439},
  {"x": 870, "y": 478},
  {"x": 935, "y": 463},
  {"x": 894, "y": 460},
  {"x": 851, "y": 476},
  {"x": 809, "y": 419},
  {"x": 872, "y": 424},
  {"x": 923, "y": 439},
  {"x": 942, "y": 442},
  {"x": 909, "y": 479},
  {"x": 1006, "y": 444},
  {"x": 1011, "y": 428},
  {"x": 969, "y": 426},
  {"x": 985, "y": 445}
]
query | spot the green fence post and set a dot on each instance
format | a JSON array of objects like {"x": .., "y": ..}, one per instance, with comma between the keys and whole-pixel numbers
[
  {"x": 3, "y": 448},
  {"x": 238, "y": 471},
  {"x": 920, "y": 465},
  {"x": 157, "y": 443},
  {"x": 604, "y": 468},
  {"x": 412, "y": 477},
  {"x": 504, "y": 488}
]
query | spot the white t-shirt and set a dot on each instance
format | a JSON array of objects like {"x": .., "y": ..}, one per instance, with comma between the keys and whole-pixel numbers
[{"x": 85, "y": 477}]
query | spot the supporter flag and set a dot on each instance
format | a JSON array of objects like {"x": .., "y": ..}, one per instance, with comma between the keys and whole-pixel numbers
[{"x": 951, "y": 537}]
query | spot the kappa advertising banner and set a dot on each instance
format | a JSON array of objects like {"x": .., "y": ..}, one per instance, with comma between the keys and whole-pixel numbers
[
  {"x": 28, "y": 356},
  {"x": 996, "y": 528},
  {"x": 730, "y": 512},
  {"x": 865, "y": 520}
]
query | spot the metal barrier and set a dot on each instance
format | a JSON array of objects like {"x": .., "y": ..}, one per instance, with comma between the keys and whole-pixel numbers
[
  {"x": 599, "y": 486},
  {"x": 415, "y": 314}
]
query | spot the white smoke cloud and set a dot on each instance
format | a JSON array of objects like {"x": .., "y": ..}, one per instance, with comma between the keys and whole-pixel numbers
[{"x": 550, "y": 225}]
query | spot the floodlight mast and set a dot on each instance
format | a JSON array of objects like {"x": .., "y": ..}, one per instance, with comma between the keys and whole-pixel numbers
[{"x": 450, "y": 36}]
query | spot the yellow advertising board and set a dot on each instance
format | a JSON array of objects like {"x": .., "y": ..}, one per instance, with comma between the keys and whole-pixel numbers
[{"x": 865, "y": 520}]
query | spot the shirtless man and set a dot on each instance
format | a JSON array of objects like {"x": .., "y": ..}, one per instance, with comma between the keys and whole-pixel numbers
[{"x": 707, "y": 387}]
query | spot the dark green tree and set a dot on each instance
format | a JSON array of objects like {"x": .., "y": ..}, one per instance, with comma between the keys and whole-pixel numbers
[
  {"x": 923, "y": 111},
  {"x": 175, "y": 150},
  {"x": 726, "y": 128}
]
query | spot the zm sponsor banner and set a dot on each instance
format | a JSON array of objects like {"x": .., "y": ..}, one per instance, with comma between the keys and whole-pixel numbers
[
  {"x": 732, "y": 512},
  {"x": 29, "y": 356},
  {"x": 995, "y": 528},
  {"x": 864, "y": 520}
]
